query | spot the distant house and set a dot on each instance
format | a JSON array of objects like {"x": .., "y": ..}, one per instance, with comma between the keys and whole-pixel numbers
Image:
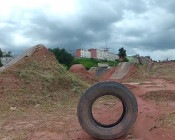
[
  {"x": 96, "y": 54},
  {"x": 83, "y": 53}
]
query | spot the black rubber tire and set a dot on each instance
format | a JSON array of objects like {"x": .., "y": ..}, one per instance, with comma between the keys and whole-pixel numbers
[{"x": 120, "y": 127}]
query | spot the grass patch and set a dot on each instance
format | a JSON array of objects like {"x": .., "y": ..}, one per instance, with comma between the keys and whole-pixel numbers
[
  {"x": 167, "y": 120},
  {"x": 90, "y": 62},
  {"x": 160, "y": 95}
]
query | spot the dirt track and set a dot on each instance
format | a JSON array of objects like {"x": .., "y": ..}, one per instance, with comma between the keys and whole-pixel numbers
[
  {"x": 145, "y": 127},
  {"x": 63, "y": 124}
]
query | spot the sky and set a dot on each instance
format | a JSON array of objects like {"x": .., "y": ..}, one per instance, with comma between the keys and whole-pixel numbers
[{"x": 145, "y": 27}]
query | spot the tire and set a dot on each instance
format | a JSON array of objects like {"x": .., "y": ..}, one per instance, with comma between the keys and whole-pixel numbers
[{"x": 121, "y": 126}]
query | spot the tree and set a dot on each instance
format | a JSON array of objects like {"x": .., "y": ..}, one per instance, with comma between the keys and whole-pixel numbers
[
  {"x": 63, "y": 56},
  {"x": 8, "y": 54},
  {"x": 1, "y": 53},
  {"x": 122, "y": 53},
  {"x": 1, "y": 63}
]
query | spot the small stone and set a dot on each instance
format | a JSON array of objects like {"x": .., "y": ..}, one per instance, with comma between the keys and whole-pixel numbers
[
  {"x": 130, "y": 136},
  {"x": 13, "y": 108},
  {"x": 37, "y": 105}
]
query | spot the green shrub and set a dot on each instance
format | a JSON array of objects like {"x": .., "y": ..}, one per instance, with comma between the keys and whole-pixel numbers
[
  {"x": 125, "y": 60},
  {"x": 1, "y": 63},
  {"x": 63, "y": 56}
]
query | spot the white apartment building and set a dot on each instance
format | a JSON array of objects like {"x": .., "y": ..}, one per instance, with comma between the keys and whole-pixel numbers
[
  {"x": 85, "y": 54},
  {"x": 97, "y": 54}
]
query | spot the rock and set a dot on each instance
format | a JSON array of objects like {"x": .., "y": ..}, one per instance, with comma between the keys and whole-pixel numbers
[{"x": 13, "y": 108}]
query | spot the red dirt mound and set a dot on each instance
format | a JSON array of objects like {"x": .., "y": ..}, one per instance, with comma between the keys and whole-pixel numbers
[
  {"x": 37, "y": 79},
  {"x": 81, "y": 71},
  {"x": 135, "y": 74}
]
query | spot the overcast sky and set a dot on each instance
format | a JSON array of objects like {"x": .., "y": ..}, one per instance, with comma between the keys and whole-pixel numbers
[{"x": 145, "y": 27}]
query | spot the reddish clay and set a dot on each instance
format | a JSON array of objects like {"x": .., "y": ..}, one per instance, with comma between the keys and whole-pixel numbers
[
  {"x": 81, "y": 71},
  {"x": 145, "y": 127}
]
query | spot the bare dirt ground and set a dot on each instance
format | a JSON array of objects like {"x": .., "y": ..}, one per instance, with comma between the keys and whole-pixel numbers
[
  {"x": 148, "y": 126},
  {"x": 62, "y": 123}
]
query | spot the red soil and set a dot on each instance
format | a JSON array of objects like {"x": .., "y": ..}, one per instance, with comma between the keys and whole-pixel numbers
[
  {"x": 81, "y": 71},
  {"x": 145, "y": 127}
]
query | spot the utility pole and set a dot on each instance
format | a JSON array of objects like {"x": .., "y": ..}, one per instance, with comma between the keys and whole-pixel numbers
[{"x": 106, "y": 49}]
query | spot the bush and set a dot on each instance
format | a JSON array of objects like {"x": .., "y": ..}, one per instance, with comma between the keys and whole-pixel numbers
[
  {"x": 1, "y": 53},
  {"x": 125, "y": 60},
  {"x": 1, "y": 63},
  {"x": 63, "y": 57}
]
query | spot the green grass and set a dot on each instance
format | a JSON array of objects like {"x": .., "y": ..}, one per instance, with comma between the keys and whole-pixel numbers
[{"x": 89, "y": 62}]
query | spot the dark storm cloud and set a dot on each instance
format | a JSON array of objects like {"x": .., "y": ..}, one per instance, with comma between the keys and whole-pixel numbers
[
  {"x": 141, "y": 24},
  {"x": 89, "y": 26},
  {"x": 160, "y": 37},
  {"x": 167, "y": 5}
]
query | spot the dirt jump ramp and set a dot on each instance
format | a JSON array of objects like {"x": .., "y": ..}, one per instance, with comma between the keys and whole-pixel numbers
[
  {"x": 121, "y": 71},
  {"x": 100, "y": 71},
  {"x": 26, "y": 53}
]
